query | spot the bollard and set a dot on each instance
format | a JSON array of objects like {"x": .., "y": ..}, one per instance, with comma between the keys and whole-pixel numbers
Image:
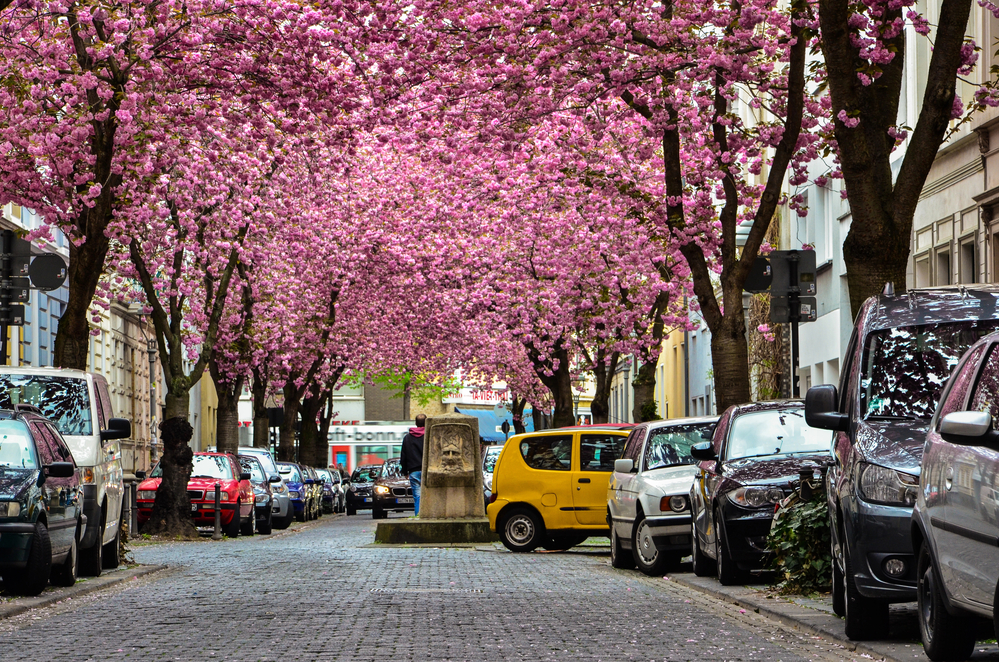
[
  {"x": 218, "y": 516},
  {"x": 133, "y": 510}
]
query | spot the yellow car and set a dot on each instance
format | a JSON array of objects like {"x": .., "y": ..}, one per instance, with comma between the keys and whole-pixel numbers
[{"x": 550, "y": 487}]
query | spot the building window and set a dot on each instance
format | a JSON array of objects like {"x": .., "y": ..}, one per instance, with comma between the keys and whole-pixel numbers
[
  {"x": 943, "y": 272},
  {"x": 968, "y": 264},
  {"x": 923, "y": 271}
]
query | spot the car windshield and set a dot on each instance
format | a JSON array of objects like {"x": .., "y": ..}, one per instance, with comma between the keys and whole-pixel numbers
[
  {"x": 670, "y": 446},
  {"x": 366, "y": 474},
  {"x": 905, "y": 368},
  {"x": 774, "y": 432},
  {"x": 62, "y": 400},
  {"x": 16, "y": 449},
  {"x": 492, "y": 454},
  {"x": 290, "y": 473},
  {"x": 212, "y": 466},
  {"x": 252, "y": 467}
]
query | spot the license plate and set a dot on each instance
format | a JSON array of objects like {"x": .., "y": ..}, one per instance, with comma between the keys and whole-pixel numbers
[
  {"x": 404, "y": 500},
  {"x": 367, "y": 500}
]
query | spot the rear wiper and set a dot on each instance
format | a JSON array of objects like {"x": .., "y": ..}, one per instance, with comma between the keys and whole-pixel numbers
[{"x": 888, "y": 417}]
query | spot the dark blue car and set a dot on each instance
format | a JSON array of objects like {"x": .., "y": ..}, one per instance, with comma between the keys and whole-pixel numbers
[{"x": 293, "y": 477}]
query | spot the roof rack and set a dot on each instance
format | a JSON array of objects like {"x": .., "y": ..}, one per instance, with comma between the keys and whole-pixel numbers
[{"x": 32, "y": 409}]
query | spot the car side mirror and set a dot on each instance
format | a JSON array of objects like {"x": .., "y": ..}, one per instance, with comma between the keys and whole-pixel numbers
[
  {"x": 703, "y": 452},
  {"x": 141, "y": 475},
  {"x": 274, "y": 479},
  {"x": 624, "y": 465},
  {"x": 822, "y": 409},
  {"x": 118, "y": 428},
  {"x": 969, "y": 428},
  {"x": 60, "y": 470},
  {"x": 245, "y": 475}
]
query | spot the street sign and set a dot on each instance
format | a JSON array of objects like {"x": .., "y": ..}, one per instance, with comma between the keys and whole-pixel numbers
[
  {"x": 47, "y": 272},
  {"x": 12, "y": 316},
  {"x": 793, "y": 272},
  {"x": 760, "y": 276},
  {"x": 781, "y": 309}
]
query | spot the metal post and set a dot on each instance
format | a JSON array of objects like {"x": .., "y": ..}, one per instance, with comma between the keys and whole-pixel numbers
[
  {"x": 6, "y": 245},
  {"x": 218, "y": 515},
  {"x": 795, "y": 314},
  {"x": 133, "y": 512}
]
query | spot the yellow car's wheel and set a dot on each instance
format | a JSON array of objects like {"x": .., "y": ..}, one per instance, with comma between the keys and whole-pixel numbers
[{"x": 522, "y": 530}]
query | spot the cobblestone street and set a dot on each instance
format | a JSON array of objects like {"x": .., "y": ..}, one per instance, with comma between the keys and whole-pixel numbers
[{"x": 326, "y": 593}]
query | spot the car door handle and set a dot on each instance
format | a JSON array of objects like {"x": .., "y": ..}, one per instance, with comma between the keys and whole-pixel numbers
[{"x": 584, "y": 480}]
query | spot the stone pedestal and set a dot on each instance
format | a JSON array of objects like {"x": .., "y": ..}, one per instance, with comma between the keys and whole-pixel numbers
[{"x": 434, "y": 532}]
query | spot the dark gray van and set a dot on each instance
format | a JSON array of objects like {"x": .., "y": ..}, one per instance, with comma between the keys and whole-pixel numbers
[{"x": 901, "y": 353}]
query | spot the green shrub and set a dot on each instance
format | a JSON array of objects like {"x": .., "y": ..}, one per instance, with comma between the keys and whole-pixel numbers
[
  {"x": 801, "y": 547},
  {"x": 649, "y": 412}
]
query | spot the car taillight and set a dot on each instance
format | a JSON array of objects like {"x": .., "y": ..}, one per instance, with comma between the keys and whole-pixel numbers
[{"x": 492, "y": 498}]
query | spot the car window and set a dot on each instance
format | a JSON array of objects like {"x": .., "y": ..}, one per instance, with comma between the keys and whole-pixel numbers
[
  {"x": 60, "y": 444},
  {"x": 252, "y": 466},
  {"x": 956, "y": 394},
  {"x": 774, "y": 432},
  {"x": 366, "y": 474},
  {"x": 983, "y": 398},
  {"x": 905, "y": 368},
  {"x": 16, "y": 449},
  {"x": 489, "y": 461},
  {"x": 670, "y": 446},
  {"x": 103, "y": 403},
  {"x": 550, "y": 452},
  {"x": 48, "y": 452},
  {"x": 63, "y": 400},
  {"x": 597, "y": 452},
  {"x": 633, "y": 446},
  {"x": 290, "y": 473},
  {"x": 212, "y": 466}
]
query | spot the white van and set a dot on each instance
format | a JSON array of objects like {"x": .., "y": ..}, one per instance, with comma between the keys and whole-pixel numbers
[{"x": 79, "y": 405}]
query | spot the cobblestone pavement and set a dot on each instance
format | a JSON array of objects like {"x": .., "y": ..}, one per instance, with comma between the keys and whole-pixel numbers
[{"x": 326, "y": 593}]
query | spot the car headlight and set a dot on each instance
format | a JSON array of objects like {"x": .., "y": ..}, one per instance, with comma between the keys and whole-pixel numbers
[
  {"x": 675, "y": 503},
  {"x": 280, "y": 488},
  {"x": 755, "y": 497},
  {"x": 146, "y": 495},
  {"x": 87, "y": 476},
  {"x": 381, "y": 489},
  {"x": 294, "y": 495},
  {"x": 887, "y": 486},
  {"x": 353, "y": 488},
  {"x": 10, "y": 508}
]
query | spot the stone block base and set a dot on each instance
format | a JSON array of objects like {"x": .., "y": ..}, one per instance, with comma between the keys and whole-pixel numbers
[{"x": 434, "y": 531}]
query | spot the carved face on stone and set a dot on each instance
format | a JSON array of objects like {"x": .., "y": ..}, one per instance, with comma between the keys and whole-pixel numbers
[{"x": 450, "y": 448}]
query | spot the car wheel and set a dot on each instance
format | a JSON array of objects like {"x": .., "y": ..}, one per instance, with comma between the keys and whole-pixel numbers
[
  {"x": 300, "y": 516},
  {"x": 285, "y": 522},
  {"x": 268, "y": 524},
  {"x": 726, "y": 570},
  {"x": 649, "y": 560},
  {"x": 65, "y": 574},
  {"x": 522, "y": 530},
  {"x": 621, "y": 558},
  {"x": 231, "y": 530},
  {"x": 92, "y": 558},
  {"x": 31, "y": 580},
  {"x": 838, "y": 588},
  {"x": 866, "y": 618},
  {"x": 704, "y": 566},
  {"x": 112, "y": 550},
  {"x": 945, "y": 636},
  {"x": 250, "y": 527}
]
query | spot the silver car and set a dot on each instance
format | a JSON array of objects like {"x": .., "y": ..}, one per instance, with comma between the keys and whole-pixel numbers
[
  {"x": 283, "y": 513},
  {"x": 955, "y": 525},
  {"x": 648, "y": 504},
  {"x": 489, "y": 457}
]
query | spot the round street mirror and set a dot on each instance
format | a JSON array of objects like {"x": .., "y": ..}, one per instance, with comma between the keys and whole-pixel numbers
[{"x": 47, "y": 272}]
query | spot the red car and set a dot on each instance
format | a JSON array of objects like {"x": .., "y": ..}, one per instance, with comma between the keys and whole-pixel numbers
[{"x": 210, "y": 469}]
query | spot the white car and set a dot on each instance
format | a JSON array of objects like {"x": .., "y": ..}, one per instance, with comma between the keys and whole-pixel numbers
[{"x": 648, "y": 507}]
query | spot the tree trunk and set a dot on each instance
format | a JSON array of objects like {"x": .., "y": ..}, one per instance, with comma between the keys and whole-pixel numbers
[
  {"x": 560, "y": 385},
  {"x": 86, "y": 264},
  {"x": 645, "y": 393},
  {"x": 518, "y": 415},
  {"x": 227, "y": 420},
  {"x": 326, "y": 413},
  {"x": 292, "y": 403},
  {"x": 261, "y": 419},
  {"x": 603, "y": 374},
  {"x": 171, "y": 510},
  {"x": 730, "y": 360},
  {"x": 539, "y": 419},
  {"x": 309, "y": 447}
]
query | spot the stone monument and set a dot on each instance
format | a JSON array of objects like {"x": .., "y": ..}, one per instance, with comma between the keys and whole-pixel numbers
[{"x": 452, "y": 508}]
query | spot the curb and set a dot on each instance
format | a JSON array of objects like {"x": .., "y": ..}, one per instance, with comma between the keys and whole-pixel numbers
[
  {"x": 91, "y": 585},
  {"x": 812, "y": 620}
]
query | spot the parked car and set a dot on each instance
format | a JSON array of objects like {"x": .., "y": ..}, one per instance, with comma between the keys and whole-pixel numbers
[
  {"x": 488, "y": 465},
  {"x": 392, "y": 491},
  {"x": 902, "y": 350},
  {"x": 955, "y": 529},
  {"x": 79, "y": 405},
  {"x": 339, "y": 495},
  {"x": 41, "y": 505},
  {"x": 263, "y": 500},
  {"x": 236, "y": 500},
  {"x": 362, "y": 482},
  {"x": 314, "y": 490},
  {"x": 550, "y": 487},
  {"x": 330, "y": 500},
  {"x": 284, "y": 512},
  {"x": 648, "y": 506},
  {"x": 743, "y": 472},
  {"x": 293, "y": 477}
]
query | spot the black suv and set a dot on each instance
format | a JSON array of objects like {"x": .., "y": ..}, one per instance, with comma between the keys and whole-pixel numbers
[
  {"x": 41, "y": 504},
  {"x": 901, "y": 353},
  {"x": 362, "y": 481}
]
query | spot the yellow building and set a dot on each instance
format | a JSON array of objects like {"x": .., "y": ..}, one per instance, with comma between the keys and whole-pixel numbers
[{"x": 670, "y": 395}]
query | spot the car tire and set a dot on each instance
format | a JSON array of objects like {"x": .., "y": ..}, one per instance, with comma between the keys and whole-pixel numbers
[
  {"x": 231, "y": 530},
  {"x": 945, "y": 636},
  {"x": 112, "y": 550},
  {"x": 703, "y": 565},
  {"x": 250, "y": 527},
  {"x": 725, "y": 569},
  {"x": 285, "y": 521},
  {"x": 31, "y": 579},
  {"x": 621, "y": 558},
  {"x": 65, "y": 574},
  {"x": 865, "y": 618},
  {"x": 838, "y": 588},
  {"x": 522, "y": 530},
  {"x": 92, "y": 558},
  {"x": 649, "y": 560},
  {"x": 268, "y": 525},
  {"x": 300, "y": 516}
]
